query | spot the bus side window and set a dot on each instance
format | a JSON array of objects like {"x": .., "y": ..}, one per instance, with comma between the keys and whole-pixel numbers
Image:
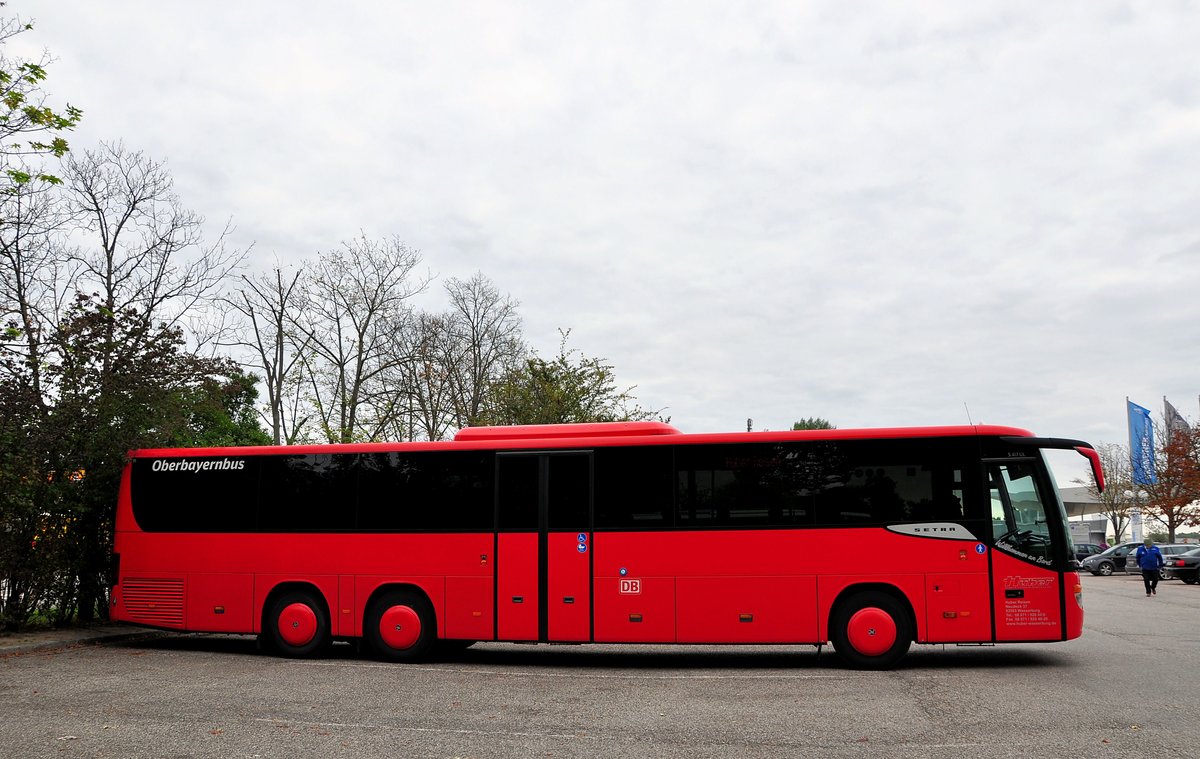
[{"x": 633, "y": 488}]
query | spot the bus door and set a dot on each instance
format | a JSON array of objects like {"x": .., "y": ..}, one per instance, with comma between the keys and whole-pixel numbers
[
  {"x": 1028, "y": 543},
  {"x": 544, "y": 546}
]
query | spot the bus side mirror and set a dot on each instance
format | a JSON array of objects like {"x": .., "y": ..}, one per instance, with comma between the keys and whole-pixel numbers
[{"x": 1097, "y": 471}]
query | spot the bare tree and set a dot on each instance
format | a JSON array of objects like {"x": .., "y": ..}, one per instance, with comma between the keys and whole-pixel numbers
[
  {"x": 1120, "y": 495},
  {"x": 100, "y": 274},
  {"x": 483, "y": 342},
  {"x": 32, "y": 275},
  {"x": 354, "y": 303},
  {"x": 150, "y": 255},
  {"x": 269, "y": 304},
  {"x": 30, "y": 211},
  {"x": 423, "y": 381}
]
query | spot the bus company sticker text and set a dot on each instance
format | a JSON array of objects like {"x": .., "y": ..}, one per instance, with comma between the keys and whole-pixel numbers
[
  {"x": 1016, "y": 581},
  {"x": 1011, "y": 549},
  {"x": 222, "y": 465},
  {"x": 630, "y": 586}
]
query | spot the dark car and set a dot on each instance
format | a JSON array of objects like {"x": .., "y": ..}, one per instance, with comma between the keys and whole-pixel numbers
[
  {"x": 1084, "y": 550},
  {"x": 1183, "y": 566},
  {"x": 1111, "y": 560}
]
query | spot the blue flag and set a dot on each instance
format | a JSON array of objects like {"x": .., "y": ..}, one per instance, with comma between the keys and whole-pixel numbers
[{"x": 1141, "y": 445}]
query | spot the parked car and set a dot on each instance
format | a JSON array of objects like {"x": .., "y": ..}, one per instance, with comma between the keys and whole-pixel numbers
[
  {"x": 1168, "y": 551},
  {"x": 1111, "y": 560},
  {"x": 1184, "y": 566},
  {"x": 1084, "y": 550}
]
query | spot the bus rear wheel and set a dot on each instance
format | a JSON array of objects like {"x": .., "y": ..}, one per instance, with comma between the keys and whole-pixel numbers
[
  {"x": 400, "y": 626},
  {"x": 297, "y": 624},
  {"x": 871, "y": 630}
]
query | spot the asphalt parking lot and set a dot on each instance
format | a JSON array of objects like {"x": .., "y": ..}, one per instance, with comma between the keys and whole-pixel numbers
[{"x": 1124, "y": 689}]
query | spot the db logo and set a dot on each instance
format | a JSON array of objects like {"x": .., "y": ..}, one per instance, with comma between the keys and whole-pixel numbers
[{"x": 631, "y": 587}]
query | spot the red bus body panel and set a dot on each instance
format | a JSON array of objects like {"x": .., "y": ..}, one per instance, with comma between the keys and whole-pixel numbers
[
  {"x": 1027, "y": 600},
  {"x": 569, "y": 592},
  {"x": 787, "y": 580},
  {"x": 237, "y": 572},
  {"x": 517, "y": 586}
]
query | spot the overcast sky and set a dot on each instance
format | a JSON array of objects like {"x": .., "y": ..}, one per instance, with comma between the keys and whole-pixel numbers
[{"x": 881, "y": 214}]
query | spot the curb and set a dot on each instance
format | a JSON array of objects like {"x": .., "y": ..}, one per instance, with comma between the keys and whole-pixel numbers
[{"x": 51, "y": 643}]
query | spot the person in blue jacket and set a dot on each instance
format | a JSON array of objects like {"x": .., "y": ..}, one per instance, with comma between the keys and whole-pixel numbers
[{"x": 1150, "y": 561}]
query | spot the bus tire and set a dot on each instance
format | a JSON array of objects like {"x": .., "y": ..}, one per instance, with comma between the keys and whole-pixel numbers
[
  {"x": 871, "y": 630},
  {"x": 297, "y": 624},
  {"x": 400, "y": 626}
]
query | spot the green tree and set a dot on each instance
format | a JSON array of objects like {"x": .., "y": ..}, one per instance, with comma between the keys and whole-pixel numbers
[
  {"x": 22, "y": 488},
  {"x": 219, "y": 410},
  {"x": 116, "y": 384},
  {"x": 813, "y": 423},
  {"x": 87, "y": 376},
  {"x": 29, "y": 128},
  {"x": 571, "y": 387}
]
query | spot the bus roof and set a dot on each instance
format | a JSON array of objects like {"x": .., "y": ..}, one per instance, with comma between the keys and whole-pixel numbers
[
  {"x": 594, "y": 435},
  {"x": 549, "y": 431}
]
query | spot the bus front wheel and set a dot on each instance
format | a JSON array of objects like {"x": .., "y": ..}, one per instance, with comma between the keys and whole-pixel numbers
[
  {"x": 297, "y": 624},
  {"x": 400, "y": 626},
  {"x": 871, "y": 630}
]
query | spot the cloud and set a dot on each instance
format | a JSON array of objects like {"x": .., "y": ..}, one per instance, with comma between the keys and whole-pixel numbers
[{"x": 870, "y": 213}]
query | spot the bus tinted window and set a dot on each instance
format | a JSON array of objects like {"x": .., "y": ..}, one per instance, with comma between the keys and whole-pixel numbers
[
  {"x": 868, "y": 482},
  {"x": 633, "y": 488},
  {"x": 570, "y": 491},
  {"x": 306, "y": 493},
  {"x": 518, "y": 491},
  {"x": 732, "y": 486},
  {"x": 425, "y": 490},
  {"x": 823, "y": 483},
  {"x": 195, "y": 494}
]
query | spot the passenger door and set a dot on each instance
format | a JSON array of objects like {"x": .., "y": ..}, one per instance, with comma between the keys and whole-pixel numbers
[
  {"x": 1026, "y": 581},
  {"x": 543, "y": 550}
]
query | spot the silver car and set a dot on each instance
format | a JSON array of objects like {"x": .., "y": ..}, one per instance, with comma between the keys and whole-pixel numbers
[{"x": 1167, "y": 549}]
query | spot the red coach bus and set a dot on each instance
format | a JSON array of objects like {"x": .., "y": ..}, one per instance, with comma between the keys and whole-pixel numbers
[{"x": 607, "y": 533}]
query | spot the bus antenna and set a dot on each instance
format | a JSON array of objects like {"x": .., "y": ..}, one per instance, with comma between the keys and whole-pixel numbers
[{"x": 968, "y": 410}]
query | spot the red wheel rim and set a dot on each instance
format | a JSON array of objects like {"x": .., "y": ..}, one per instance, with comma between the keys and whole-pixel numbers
[
  {"x": 400, "y": 627},
  {"x": 297, "y": 624},
  {"x": 871, "y": 631}
]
